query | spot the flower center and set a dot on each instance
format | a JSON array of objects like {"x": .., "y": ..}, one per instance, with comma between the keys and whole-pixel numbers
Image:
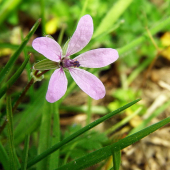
[{"x": 69, "y": 63}]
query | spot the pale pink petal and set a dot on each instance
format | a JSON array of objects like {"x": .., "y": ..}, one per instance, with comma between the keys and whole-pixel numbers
[
  {"x": 97, "y": 58},
  {"x": 48, "y": 47},
  {"x": 89, "y": 83},
  {"x": 81, "y": 36},
  {"x": 57, "y": 86}
]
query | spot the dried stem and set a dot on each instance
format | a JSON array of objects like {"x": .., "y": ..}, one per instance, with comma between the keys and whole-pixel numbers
[{"x": 26, "y": 89}]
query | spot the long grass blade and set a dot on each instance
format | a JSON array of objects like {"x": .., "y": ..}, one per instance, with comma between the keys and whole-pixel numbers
[
  {"x": 44, "y": 139},
  {"x": 13, "y": 79},
  {"x": 54, "y": 158},
  {"x": 4, "y": 159},
  {"x": 13, "y": 160},
  {"x": 25, "y": 153},
  {"x": 116, "y": 159},
  {"x": 113, "y": 14},
  {"x": 18, "y": 51}
]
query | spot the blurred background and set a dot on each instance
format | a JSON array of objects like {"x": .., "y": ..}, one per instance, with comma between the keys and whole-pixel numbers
[{"x": 135, "y": 29}]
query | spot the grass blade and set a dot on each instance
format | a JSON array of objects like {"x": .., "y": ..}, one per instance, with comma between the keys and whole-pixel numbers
[
  {"x": 113, "y": 14},
  {"x": 18, "y": 51},
  {"x": 153, "y": 115},
  {"x": 44, "y": 139},
  {"x": 4, "y": 157},
  {"x": 116, "y": 159},
  {"x": 31, "y": 116},
  {"x": 7, "y": 8},
  {"x": 25, "y": 153},
  {"x": 54, "y": 158},
  {"x": 13, "y": 160},
  {"x": 12, "y": 80},
  {"x": 123, "y": 121}
]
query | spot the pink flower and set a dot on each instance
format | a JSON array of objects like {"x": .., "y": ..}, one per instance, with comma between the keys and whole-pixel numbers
[{"x": 97, "y": 58}]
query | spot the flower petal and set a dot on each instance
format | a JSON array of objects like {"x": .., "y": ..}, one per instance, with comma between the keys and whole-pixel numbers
[
  {"x": 81, "y": 36},
  {"x": 48, "y": 47},
  {"x": 97, "y": 58},
  {"x": 89, "y": 83},
  {"x": 57, "y": 86}
]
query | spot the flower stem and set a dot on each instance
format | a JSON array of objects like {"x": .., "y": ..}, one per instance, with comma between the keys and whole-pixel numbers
[
  {"x": 88, "y": 120},
  {"x": 54, "y": 158},
  {"x": 26, "y": 89}
]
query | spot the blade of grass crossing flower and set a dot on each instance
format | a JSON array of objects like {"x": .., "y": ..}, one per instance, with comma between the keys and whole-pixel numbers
[
  {"x": 25, "y": 153},
  {"x": 4, "y": 159},
  {"x": 18, "y": 51},
  {"x": 101, "y": 154},
  {"x": 78, "y": 133},
  {"x": 112, "y": 16},
  {"x": 12, "y": 80},
  {"x": 54, "y": 158},
  {"x": 15, "y": 47},
  {"x": 44, "y": 139},
  {"x": 13, "y": 160},
  {"x": 116, "y": 158}
]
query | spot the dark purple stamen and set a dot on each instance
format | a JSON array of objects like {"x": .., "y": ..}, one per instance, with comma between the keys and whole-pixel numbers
[
  {"x": 70, "y": 63},
  {"x": 76, "y": 64}
]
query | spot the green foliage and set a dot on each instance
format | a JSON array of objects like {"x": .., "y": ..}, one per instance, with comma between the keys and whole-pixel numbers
[
  {"x": 129, "y": 94},
  {"x": 119, "y": 24},
  {"x": 103, "y": 153},
  {"x": 89, "y": 141}
]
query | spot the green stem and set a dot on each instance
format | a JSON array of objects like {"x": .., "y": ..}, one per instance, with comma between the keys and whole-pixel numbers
[
  {"x": 116, "y": 153},
  {"x": 122, "y": 122},
  {"x": 60, "y": 37},
  {"x": 4, "y": 157},
  {"x": 25, "y": 153},
  {"x": 31, "y": 82},
  {"x": 141, "y": 39},
  {"x": 54, "y": 158},
  {"x": 88, "y": 120},
  {"x": 84, "y": 8},
  {"x": 14, "y": 163},
  {"x": 44, "y": 135},
  {"x": 7, "y": 8}
]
